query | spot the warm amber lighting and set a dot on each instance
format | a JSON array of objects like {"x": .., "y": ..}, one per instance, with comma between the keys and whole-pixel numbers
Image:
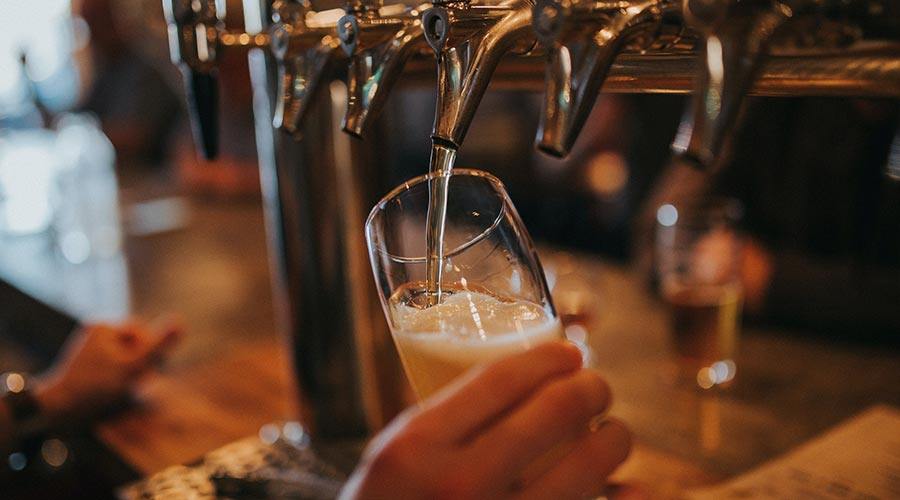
[
  {"x": 15, "y": 382},
  {"x": 54, "y": 452},
  {"x": 607, "y": 174},
  {"x": 710, "y": 424}
]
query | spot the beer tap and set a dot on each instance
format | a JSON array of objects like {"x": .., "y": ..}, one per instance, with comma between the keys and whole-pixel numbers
[
  {"x": 379, "y": 41},
  {"x": 739, "y": 36},
  {"x": 306, "y": 48},
  {"x": 736, "y": 37},
  {"x": 194, "y": 42},
  {"x": 583, "y": 39},
  {"x": 469, "y": 39}
]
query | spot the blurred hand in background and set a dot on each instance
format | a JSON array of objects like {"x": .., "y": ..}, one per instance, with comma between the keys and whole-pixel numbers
[{"x": 101, "y": 364}]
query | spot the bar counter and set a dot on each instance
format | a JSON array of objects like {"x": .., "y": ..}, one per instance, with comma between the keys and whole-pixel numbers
[{"x": 230, "y": 376}]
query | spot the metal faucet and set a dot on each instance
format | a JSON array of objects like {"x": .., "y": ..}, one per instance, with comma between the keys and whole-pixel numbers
[
  {"x": 379, "y": 41},
  {"x": 583, "y": 38},
  {"x": 194, "y": 36},
  {"x": 307, "y": 49},
  {"x": 762, "y": 47},
  {"x": 469, "y": 39},
  {"x": 304, "y": 43},
  {"x": 736, "y": 39},
  {"x": 346, "y": 372}
]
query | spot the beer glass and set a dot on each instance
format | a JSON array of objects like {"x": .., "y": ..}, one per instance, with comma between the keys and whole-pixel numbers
[
  {"x": 698, "y": 253},
  {"x": 493, "y": 298}
]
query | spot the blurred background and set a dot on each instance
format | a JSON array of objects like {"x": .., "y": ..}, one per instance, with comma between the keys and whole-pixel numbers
[
  {"x": 106, "y": 211},
  {"x": 89, "y": 99}
]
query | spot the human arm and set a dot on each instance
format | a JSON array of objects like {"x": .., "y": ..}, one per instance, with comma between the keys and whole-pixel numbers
[{"x": 98, "y": 365}]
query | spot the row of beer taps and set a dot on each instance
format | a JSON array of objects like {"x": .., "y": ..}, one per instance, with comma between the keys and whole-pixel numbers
[
  {"x": 316, "y": 191},
  {"x": 721, "y": 50}
]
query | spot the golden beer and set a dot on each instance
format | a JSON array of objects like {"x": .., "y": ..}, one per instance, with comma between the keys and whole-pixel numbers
[
  {"x": 467, "y": 328},
  {"x": 705, "y": 322}
]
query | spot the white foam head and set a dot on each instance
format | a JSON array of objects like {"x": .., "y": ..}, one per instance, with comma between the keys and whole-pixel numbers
[{"x": 474, "y": 326}]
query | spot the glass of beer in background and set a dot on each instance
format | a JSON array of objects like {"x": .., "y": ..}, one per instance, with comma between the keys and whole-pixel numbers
[
  {"x": 494, "y": 299},
  {"x": 698, "y": 254}
]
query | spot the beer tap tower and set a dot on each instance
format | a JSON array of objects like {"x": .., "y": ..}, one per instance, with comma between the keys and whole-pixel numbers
[
  {"x": 316, "y": 191},
  {"x": 318, "y": 185}
]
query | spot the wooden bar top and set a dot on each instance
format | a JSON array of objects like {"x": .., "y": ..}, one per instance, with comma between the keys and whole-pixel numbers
[{"x": 182, "y": 414}]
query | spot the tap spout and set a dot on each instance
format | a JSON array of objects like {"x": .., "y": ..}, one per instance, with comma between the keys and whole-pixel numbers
[
  {"x": 379, "y": 42},
  {"x": 306, "y": 48},
  {"x": 735, "y": 43},
  {"x": 469, "y": 42},
  {"x": 194, "y": 30},
  {"x": 583, "y": 39}
]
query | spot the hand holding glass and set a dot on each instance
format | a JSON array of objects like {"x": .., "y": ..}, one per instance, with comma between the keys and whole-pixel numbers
[{"x": 494, "y": 299}]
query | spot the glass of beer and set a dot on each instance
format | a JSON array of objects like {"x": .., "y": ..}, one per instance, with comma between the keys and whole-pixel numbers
[
  {"x": 493, "y": 299},
  {"x": 698, "y": 252}
]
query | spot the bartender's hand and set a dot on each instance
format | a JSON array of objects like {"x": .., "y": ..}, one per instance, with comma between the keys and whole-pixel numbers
[
  {"x": 100, "y": 364},
  {"x": 485, "y": 436}
]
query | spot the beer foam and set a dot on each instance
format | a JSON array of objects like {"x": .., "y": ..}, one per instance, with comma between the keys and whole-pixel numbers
[
  {"x": 467, "y": 314},
  {"x": 473, "y": 326}
]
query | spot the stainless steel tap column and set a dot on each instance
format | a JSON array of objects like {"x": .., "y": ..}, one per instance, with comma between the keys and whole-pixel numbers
[
  {"x": 317, "y": 189},
  {"x": 317, "y": 193}
]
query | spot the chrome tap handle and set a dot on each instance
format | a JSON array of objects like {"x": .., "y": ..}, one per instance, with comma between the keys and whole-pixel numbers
[
  {"x": 379, "y": 44},
  {"x": 468, "y": 45},
  {"x": 735, "y": 42},
  {"x": 305, "y": 54},
  {"x": 573, "y": 84},
  {"x": 194, "y": 29}
]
